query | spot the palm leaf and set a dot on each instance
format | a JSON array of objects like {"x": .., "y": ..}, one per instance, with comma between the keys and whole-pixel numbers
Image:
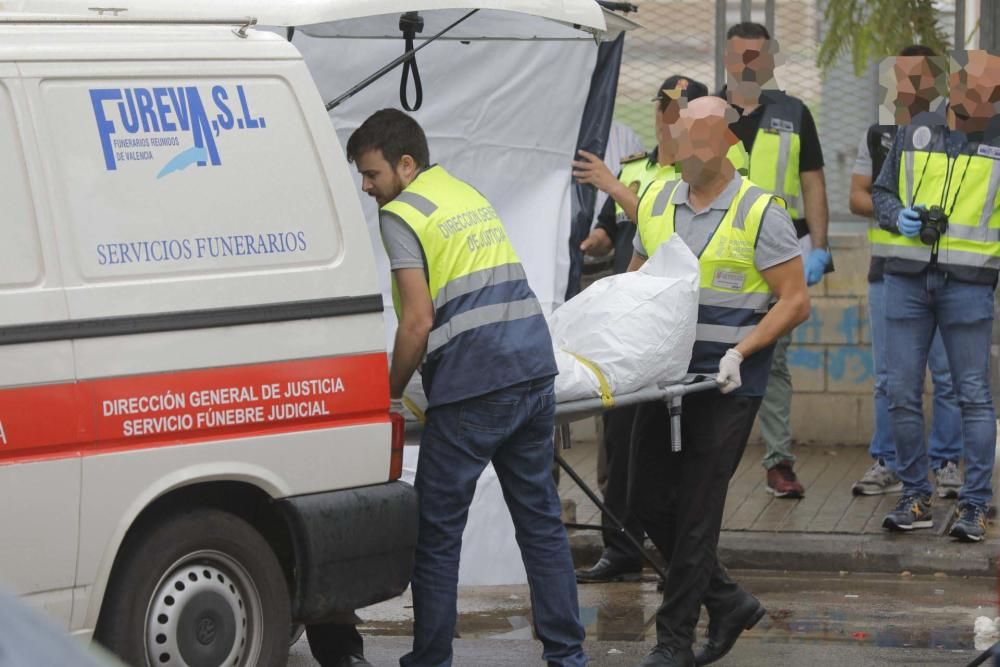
[{"x": 872, "y": 30}]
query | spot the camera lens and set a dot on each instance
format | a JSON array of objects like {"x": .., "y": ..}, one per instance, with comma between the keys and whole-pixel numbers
[{"x": 929, "y": 235}]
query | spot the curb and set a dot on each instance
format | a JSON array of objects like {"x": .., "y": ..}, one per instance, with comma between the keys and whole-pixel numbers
[{"x": 835, "y": 552}]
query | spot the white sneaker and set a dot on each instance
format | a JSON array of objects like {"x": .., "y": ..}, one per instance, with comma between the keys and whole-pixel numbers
[
  {"x": 949, "y": 480},
  {"x": 876, "y": 481}
]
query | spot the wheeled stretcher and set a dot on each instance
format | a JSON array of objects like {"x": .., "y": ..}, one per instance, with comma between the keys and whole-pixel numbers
[{"x": 571, "y": 411}]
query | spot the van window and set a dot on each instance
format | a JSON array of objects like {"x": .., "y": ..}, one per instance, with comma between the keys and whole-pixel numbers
[
  {"x": 181, "y": 175},
  {"x": 20, "y": 254}
]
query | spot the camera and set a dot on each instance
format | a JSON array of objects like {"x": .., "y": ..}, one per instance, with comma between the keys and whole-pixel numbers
[{"x": 933, "y": 224}]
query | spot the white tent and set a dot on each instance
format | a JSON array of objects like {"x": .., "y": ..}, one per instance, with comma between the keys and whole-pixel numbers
[
  {"x": 503, "y": 98},
  {"x": 504, "y": 114}
]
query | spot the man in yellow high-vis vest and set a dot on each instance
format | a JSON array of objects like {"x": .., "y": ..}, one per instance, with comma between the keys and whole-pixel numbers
[
  {"x": 785, "y": 158},
  {"x": 620, "y": 561},
  {"x": 937, "y": 201},
  {"x": 467, "y": 314},
  {"x": 752, "y": 292},
  {"x": 921, "y": 78},
  {"x": 616, "y": 229}
]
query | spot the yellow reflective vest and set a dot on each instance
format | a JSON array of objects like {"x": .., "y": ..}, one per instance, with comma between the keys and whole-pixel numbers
[
  {"x": 774, "y": 158},
  {"x": 489, "y": 331},
  {"x": 733, "y": 296},
  {"x": 638, "y": 171},
  {"x": 970, "y": 248}
]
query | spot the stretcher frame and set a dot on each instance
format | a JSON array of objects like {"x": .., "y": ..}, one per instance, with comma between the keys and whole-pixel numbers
[{"x": 571, "y": 411}]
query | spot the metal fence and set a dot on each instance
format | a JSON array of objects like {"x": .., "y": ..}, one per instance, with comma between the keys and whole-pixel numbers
[
  {"x": 687, "y": 37},
  {"x": 677, "y": 37}
]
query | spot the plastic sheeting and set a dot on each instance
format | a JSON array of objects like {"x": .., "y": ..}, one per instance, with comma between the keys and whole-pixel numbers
[
  {"x": 594, "y": 129},
  {"x": 484, "y": 24},
  {"x": 637, "y": 328},
  {"x": 501, "y": 115}
]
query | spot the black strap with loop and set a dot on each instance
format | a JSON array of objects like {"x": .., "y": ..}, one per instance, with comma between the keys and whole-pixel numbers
[
  {"x": 407, "y": 56},
  {"x": 410, "y": 24}
]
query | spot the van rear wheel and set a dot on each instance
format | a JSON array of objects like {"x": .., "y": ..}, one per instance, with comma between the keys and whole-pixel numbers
[{"x": 203, "y": 589}]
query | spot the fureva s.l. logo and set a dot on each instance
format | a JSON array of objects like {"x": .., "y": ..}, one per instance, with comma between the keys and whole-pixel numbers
[{"x": 175, "y": 122}]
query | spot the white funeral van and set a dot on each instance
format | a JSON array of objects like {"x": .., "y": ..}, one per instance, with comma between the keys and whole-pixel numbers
[
  {"x": 195, "y": 443},
  {"x": 196, "y": 449}
]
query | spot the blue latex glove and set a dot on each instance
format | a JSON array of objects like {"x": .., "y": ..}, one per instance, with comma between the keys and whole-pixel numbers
[
  {"x": 816, "y": 264},
  {"x": 908, "y": 223}
]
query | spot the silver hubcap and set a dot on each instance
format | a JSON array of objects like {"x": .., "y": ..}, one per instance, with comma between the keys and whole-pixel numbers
[{"x": 205, "y": 612}]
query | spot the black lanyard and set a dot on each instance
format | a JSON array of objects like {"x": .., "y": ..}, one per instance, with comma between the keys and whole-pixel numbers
[{"x": 952, "y": 163}]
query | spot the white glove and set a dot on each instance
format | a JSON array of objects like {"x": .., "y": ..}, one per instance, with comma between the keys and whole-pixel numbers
[
  {"x": 729, "y": 371},
  {"x": 396, "y": 405}
]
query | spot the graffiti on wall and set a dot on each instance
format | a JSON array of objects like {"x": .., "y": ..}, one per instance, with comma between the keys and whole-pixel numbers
[{"x": 849, "y": 360}]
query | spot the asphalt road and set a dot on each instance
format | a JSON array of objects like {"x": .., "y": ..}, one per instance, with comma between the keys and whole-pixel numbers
[
  {"x": 813, "y": 620},
  {"x": 385, "y": 652}
]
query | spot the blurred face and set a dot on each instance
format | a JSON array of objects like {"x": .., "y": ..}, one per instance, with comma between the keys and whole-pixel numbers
[
  {"x": 749, "y": 64},
  {"x": 663, "y": 118},
  {"x": 703, "y": 138},
  {"x": 381, "y": 180},
  {"x": 975, "y": 89},
  {"x": 916, "y": 87}
]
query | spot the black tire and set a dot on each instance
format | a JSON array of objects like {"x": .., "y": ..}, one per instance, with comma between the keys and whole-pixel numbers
[{"x": 203, "y": 588}]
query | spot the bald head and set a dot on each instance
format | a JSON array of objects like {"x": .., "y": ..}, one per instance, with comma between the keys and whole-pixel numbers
[
  {"x": 704, "y": 138},
  {"x": 709, "y": 106}
]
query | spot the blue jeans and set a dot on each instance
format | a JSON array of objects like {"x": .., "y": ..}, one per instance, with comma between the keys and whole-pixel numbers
[
  {"x": 945, "y": 442},
  {"x": 512, "y": 427},
  {"x": 963, "y": 313}
]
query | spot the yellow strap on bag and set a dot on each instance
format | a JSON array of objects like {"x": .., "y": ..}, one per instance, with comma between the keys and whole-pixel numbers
[
  {"x": 606, "y": 398},
  {"x": 412, "y": 407}
]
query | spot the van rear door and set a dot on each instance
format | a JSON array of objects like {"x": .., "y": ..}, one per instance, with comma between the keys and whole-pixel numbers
[{"x": 39, "y": 489}]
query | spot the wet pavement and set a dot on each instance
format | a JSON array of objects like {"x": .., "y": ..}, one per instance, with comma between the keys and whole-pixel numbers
[
  {"x": 829, "y": 529},
  {"x": 815, "y": 619}
]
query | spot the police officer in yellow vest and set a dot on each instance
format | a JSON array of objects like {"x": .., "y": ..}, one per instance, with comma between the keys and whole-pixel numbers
[
  {"x": 467, "y": 314},
  {"x": 753, "y": 291},
  {"x": 936, "y": 201},
  {"x": 786, "y": 159},
  {"x": 616, "y": 228},
  {"x": 620, "y": 561},
  {"x": 920, "y": 79}
]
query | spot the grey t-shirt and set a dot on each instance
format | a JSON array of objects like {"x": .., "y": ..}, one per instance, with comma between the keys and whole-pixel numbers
[
  {"x": 863, "y": 163},
  {"x": 776, "y": 244},
  {"x": 401, "y": 243}
]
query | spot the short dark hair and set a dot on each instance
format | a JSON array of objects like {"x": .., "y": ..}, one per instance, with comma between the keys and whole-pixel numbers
[
  {"x": 748, "y": 30},
  {"x": 918, "y": 50},
  {"x": 394, "y": 133},
  {"x": 691, "y": 90}
]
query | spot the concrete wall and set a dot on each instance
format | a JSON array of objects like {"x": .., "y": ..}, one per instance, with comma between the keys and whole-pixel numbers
[{"x": 830, "y": 357}]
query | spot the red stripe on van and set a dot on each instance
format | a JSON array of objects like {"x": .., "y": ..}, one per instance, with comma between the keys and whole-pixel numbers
[{"x": 162, "y": 409}]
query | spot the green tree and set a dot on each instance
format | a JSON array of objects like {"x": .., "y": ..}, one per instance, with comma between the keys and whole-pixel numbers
[{"x": 873, "y": 29}]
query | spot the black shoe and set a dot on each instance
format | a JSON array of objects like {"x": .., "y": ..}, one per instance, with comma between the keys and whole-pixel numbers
[
  {"x": 725, "y": 628},
  {"x": 352, "y": 661},
  {"x": 666, "y": 656},
  {"x": 607, "y": 570}
]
